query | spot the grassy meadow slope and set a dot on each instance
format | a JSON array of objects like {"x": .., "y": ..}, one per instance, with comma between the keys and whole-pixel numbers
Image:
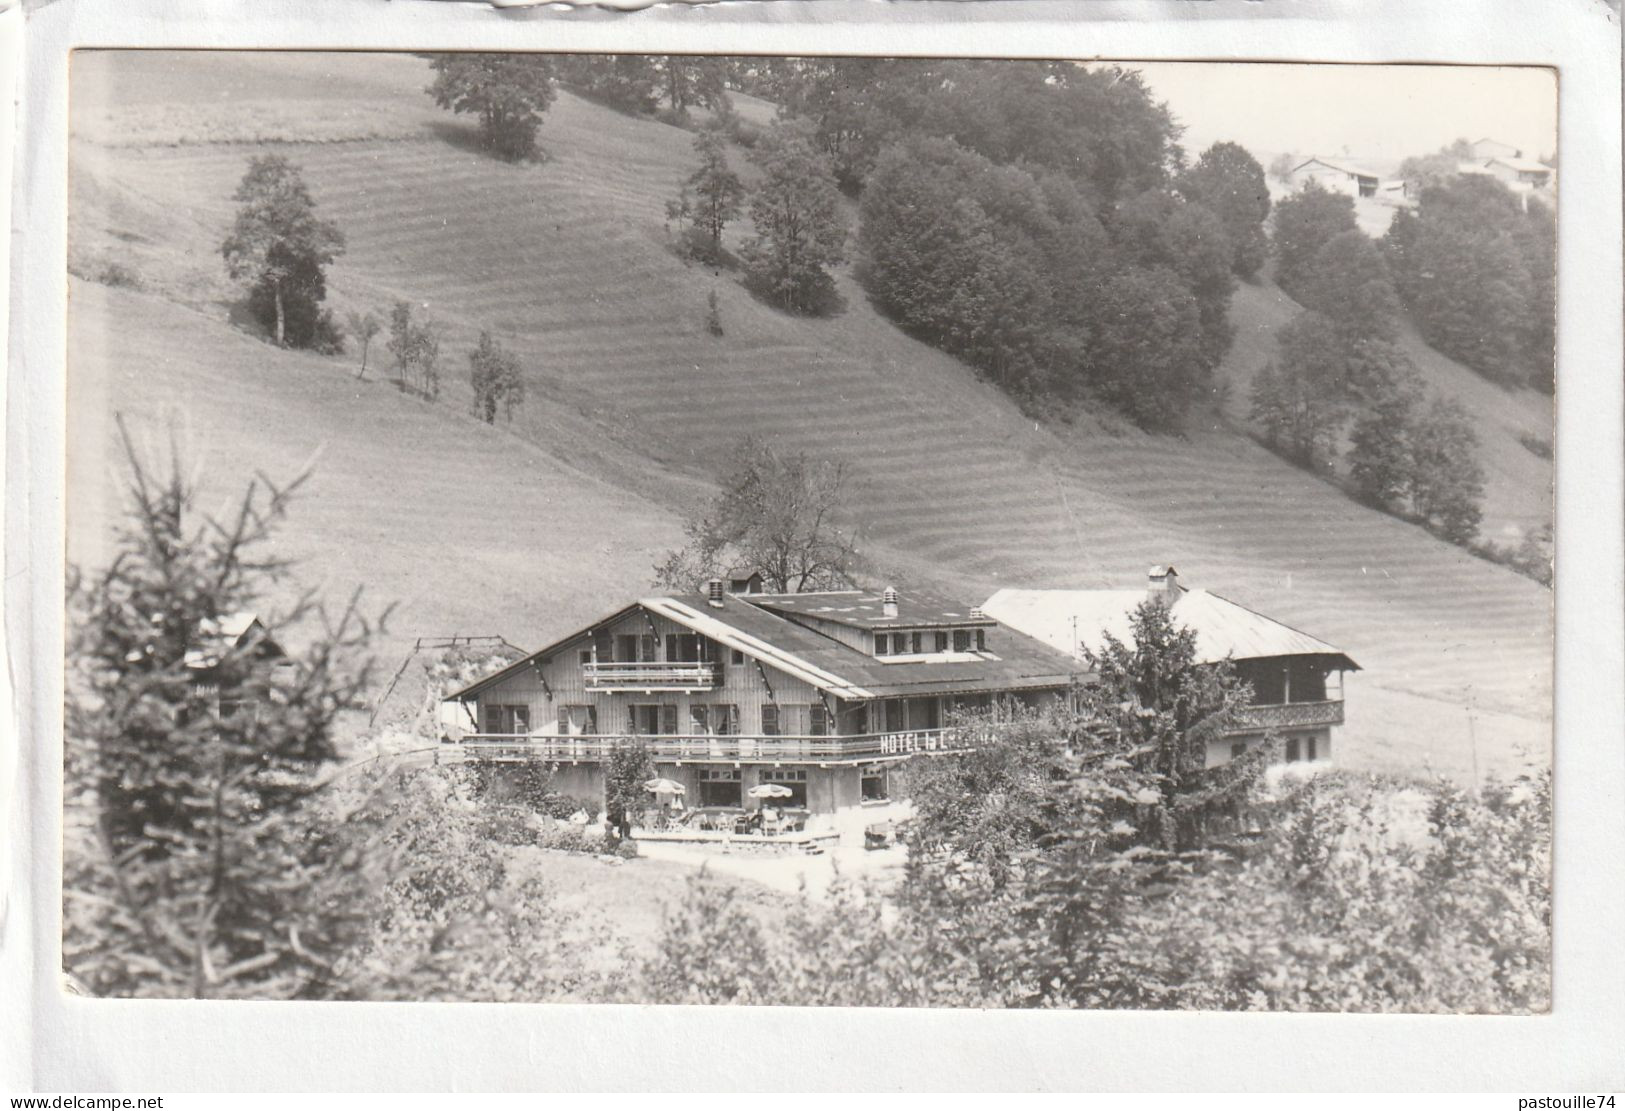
[{"x": 632, "y": 407}]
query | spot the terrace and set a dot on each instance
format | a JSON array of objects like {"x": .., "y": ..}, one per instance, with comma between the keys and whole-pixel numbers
[
  {"x": 721, "y": 748},
  {"x": 649, "y": 676},
  {"x": 1287, "y": 715}
]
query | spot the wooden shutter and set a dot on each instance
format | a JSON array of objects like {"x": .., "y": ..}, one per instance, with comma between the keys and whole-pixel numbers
[
  {"x": 820, "y": 720},
  {"x": 770, "y": 720},
  {"x": 698, "y": 718},
  {"x": 648, "y": 649},
  {"x": 942, "y": 642},
  {"x": 668, "y": 718},
  {"x": 733, "y": 719},
  {"x": 592, "y": 719},
  {"x": 603, "y": 644},
  {"x": 564, "y": 719},
  {"x": 632, "y": 720},
  {"x": 671, "y": 647}
]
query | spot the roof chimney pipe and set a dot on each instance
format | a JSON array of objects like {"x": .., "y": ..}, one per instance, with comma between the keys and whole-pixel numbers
[
  {"x": 1163, "y": 585},
  {"x": 888, "y": 602},
  {"x": 713, "y": 593}
]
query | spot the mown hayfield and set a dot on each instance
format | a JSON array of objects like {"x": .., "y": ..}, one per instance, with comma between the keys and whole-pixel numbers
[{"x": 528, "y": 529}]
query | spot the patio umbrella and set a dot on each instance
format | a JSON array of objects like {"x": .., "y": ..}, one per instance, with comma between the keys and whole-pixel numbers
[
  {"x": 770, "y": 791},
  {"x": 665, "y": 787}
]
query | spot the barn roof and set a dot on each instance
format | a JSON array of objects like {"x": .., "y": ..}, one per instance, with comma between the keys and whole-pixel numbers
[
  {"x": 1071, "y": 619},
  {"x": 1012, "y": 661},
  {"x": 1522, "y": 165},
  {"x": 1342, "y": 168}
]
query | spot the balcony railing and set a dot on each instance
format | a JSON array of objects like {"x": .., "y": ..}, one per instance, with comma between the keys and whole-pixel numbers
[
  {"x": 649, "y": 676},
  {"x": 1287, "y": 715},
  {"x": 728, "y": 748}
]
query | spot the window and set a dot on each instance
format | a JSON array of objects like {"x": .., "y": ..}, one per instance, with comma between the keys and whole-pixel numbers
[
  {"x": 646, "y": 718},
  {"x": 793, "y": 779},
  {"x": 721, "y": 787},
  {"x": 770, "y": 721},
  {"x": 1237, "y": 748},
  {"x": 981, "y": 640},
  {"x": 961, "y": 640},
  {"x": 648, "y": 648},
  {"x": 1292, "y": 753},
  {"x": 626, "y": 649},
  {"x": 875, "y": 787},
  {"x": 1311, "y": 743},
  {"x": 578, "y": 720},
  {"x": 899, "y": 644},
  {"x": 683, "y": 648},
  {"x": 894, "y": 716},
  {"x": 720, "y": 719},
  {"x": 818, "y": 720},
  {"x": 737, "y": 658},
  {"x": 507, "y": 719},
  {"x": 586, "y": 656},
  {"x": 914, "y": 643},
  {"x": 942, "y": 642},
  {"x": 882, "y": 644}
]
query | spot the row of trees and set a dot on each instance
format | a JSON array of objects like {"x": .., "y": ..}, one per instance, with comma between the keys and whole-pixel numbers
[
  {"x": 1343, "y": 389},
  {"x": 1034, "y": 219},
  {"x": 279, "y": 249},
  {"x": 794, "y": 207}
]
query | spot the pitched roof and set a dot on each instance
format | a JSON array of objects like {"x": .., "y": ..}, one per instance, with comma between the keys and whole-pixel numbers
[
  {"x": 864, "y": 609},
  {"x": 1068, "y": 620},
  {"x": 1340, "y": 168},
  {"x": 1013, "y": 660},
  {"x": 1522, "y": 165},
  {"x": 224, "y": 634}
]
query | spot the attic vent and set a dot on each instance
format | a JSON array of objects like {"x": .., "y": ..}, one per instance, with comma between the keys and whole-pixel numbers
[
  {"x": 978, "y": 614},
  {"x": 888, "y": 602},
  {"x": 713, "y": 593}
]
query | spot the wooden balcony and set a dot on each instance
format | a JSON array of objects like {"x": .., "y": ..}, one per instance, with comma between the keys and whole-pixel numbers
[
  {"x": 649, "y": 677},
  {"x": 720, "y": 749},
  {"x": 1288, "y": 715}
]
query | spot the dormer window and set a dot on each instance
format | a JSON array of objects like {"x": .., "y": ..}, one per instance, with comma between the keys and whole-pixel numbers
[
  {"x": 882, "y": 644},
  {"x": 961, "y": 640}
]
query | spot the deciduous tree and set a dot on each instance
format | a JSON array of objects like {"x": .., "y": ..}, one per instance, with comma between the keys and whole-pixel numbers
[
  {"x": 1304, "y": 223},
  {"x": 508, "y": 93},
  {"x": 1229, "y": 182},
  {"x": 800, "y": 230},
  {"x": 780, "y": 515},
  {"x": 415, "y": 347},
  {"x": 280, "y": 249},
  {"x": 494, "y": 374},
  {"x": 363, "y": 326}
]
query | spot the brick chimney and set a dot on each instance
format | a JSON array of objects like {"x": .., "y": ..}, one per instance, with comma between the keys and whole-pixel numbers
[
  {"x": 713, "y": 593},
  {"x": 888, "y": 602},
  {"x": 1163, "y": 585}
]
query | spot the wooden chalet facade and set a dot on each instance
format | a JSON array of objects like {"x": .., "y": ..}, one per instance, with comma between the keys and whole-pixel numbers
[
  {"x": 1290, "y": 671},
  {"x": 821, "y": 693}
]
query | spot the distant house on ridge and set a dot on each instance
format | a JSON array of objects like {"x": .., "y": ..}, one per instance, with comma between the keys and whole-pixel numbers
[{"x": 1335, "y": 177}]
